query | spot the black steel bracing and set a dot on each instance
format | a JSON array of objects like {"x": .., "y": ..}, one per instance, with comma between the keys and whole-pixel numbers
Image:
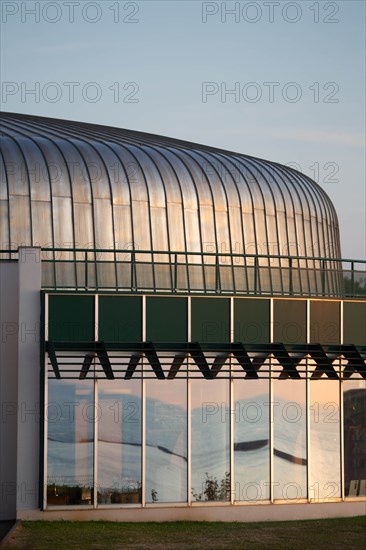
[{"x": 189, "y": 359}]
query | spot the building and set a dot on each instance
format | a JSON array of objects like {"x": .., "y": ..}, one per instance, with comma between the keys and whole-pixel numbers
[{"x": 180, "y": 336}]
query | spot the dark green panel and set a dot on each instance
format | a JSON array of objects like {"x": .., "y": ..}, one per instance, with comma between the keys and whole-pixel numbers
[
  {"x": 166, "y": 319},
  {"x": 71, "y": 318},
  {"x": 324, "y": 322},
  {"x": 289, "y": 321},
  {"x": 120, "y": 318},
  {"x": 210, "y": 320},
  {"x": 251, "y": 320},
  {"x": 354, "y": 323}
]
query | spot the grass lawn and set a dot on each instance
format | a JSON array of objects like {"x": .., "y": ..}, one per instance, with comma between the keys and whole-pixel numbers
[{"x": 345, "y": 533}]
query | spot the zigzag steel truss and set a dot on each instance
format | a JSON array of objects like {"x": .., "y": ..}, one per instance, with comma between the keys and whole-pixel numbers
[{"x": 227, "y": 360}]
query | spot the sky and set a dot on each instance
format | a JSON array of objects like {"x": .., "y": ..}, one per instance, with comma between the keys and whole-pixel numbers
[{"x": 284, "y": 81}]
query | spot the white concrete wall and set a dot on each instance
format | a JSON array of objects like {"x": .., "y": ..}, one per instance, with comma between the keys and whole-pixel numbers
[
  {"x": 29, "y": 379},
  {"x": 245, "y": 513},
  {"x": 9, "y": 311}
]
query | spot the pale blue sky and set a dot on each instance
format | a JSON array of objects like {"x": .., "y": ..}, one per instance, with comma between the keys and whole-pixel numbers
[{"x": 169, "y": 52}]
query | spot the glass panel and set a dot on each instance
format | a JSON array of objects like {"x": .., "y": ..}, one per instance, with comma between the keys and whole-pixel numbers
[
  {"x": 159, "y": 230},
  {"x": 144, "y": 275},
  {"x": 354, "y": 401},
  {"x": 106, "y": 271},
  {"x": 236, "y": 231},
  {"x": 19, "y": 209},
  {"x": 120, "y": 318},
  {"x": 62, "y": 210},
  {"x": 324, "y": 439},
  {"x": 166, "y": 319},
  {"x": 141, "y": 226},
  {"x": 210, "y": 440},
  {"x": 251, "y": 440},
  {"x": 226, "y": 282},
  {"x": 289, "y": 445},
  {"x": 41, "y": 221},
  {"x": 163, "y": 275},
  {"x": 70, "y": 442},
  {"x": 166, "y": 441},
  {"x": 251, "y": 320},
  {"x": 210, "y": 319},
  {"x": 211, "y": 276},
  {"x": 71, "y": 318},
  {"x": 261, "y": 233},
  {"x": 195, "y": 279},
  {"x": 103, "y": 223},
  {"x": 250, "y": 241},
  {"x": 193, "y": 233},
  {"x": 354, "y": 324},
  {"x": 119, "y": 442},
  {"x": 174, "y": 212},
  {"x": 289, "y": 321},
  {"x": 324, "y": 322},
  {"x": 84, "y": 238},
  {"x": 122, "y": 227},
  {"x": 244, "y": 278}
]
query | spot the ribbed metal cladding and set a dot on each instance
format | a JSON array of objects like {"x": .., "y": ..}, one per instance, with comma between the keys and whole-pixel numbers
[{"x": 75, "y": 185}]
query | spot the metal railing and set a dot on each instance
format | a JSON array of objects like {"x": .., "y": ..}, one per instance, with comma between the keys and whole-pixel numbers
[{"x": 147, "y": 271}]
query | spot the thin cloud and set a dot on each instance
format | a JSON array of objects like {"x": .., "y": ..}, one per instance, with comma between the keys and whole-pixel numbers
[
  {"x": 302, "y": 134},
  {"x": 318, "y": 136},
  {"x": 322, "y": 136},
  {"x": 62, "y": 47}
]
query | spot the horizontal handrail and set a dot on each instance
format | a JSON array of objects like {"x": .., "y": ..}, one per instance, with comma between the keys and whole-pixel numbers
[
  {"x": 211, "y": 254},
  {"x": 134, "y": 270},
  {"x": 189, "y": 253}
]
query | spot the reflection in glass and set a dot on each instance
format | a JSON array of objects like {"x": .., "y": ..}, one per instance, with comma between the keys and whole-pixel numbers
[
  {"x": 210, "y": 425},
  {"x": 354, "y": 402},
  {"x": 166, "y": 441},
  {"x": 119, "y": 441},
  {"x": 324, "y": 439},
  {"x": 289, "y": 445},
  {"x": 70, "y": 416},
  {"x": 251, "y": 439}
]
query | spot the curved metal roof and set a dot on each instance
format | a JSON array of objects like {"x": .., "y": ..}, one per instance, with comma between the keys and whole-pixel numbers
[{"x": 76, "y": 185}]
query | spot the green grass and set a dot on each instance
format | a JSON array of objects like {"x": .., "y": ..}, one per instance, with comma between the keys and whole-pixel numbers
[{"x": 344, "y": 533}]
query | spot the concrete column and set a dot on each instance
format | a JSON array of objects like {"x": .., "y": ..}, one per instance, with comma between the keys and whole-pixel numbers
[
  {"x": 9, "y": 311},
  {"x": 29, "y": 378}
]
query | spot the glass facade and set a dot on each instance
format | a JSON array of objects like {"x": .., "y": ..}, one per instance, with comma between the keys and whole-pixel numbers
[
  {"x": 70, "y": 443},
  {"x": 119, "y": 454},
  {"x": 289, "y": 439},
  {"x": 354, "y": 403},
  {"x": 325, "y": 439},
  {"x": 180, "y": 441},
  {"x": 252, "y": 440},
  {"x": 166, "y": 441},
  {"x": 217, "y": 426},
  {"x": 210, "y": 420}
]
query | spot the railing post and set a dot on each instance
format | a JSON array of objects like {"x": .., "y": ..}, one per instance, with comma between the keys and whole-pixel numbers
[
  {"x": 256, "y": 267},
  {"x": 133, "y": 268},
  {"x": 86, "y": 268},
  {"x": 353, "y": 278},
  {"x": 175, "y": 272},
  {"x": 291, "y": 287},
  {"x": 323, "y": 277},
  {"x": 217, "y": 277},
  {"x": 187, "y": 271}
]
